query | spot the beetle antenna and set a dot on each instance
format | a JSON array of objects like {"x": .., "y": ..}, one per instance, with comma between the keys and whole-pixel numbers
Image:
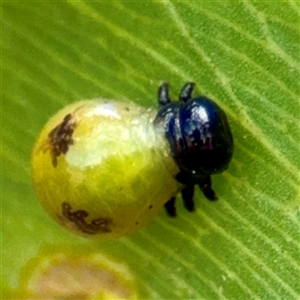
[
  {"x": 186, "y": 92},
  {"x": 163, "y": 94}
]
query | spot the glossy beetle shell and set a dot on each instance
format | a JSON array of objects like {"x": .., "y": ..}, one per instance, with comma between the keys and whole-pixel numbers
[
  {"x": 199, "y": 135},
  {"x": 100, "y": 169}
]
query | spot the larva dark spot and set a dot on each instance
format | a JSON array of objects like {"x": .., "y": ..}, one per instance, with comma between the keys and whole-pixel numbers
[
  {"x": 150, "y": 206},
  {"x": 60, "y": 138},
  {"x": 77, "y": 217}
]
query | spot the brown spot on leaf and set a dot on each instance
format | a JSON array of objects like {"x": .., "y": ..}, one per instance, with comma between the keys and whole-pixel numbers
[
  {"x": 67, "y": 275},
  {"x": 60, "y": 138},
  {"x": 78, "y": 219}
]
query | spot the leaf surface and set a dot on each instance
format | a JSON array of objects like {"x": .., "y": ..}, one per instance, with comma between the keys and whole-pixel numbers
[{"x": 243, "y": 55}]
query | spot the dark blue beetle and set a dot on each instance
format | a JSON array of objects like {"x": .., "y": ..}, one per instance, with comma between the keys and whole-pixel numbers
[{"x": 200, "y": 139}]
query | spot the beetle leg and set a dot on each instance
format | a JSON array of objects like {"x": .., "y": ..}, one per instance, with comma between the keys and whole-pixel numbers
[
  {"x": 186, "y": 91},
  {"x": 163, "y": 94},
  {"x": 170, "y": 207},
  {"x": 205, "y": 186},
  {"x": 187, "y": 197}
]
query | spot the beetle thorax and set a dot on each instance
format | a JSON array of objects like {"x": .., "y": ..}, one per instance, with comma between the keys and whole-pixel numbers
[{"x": 198, "y": 134}]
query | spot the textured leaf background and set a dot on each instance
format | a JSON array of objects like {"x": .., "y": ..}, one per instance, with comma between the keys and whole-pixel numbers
[{"x": 243, "y": 55}]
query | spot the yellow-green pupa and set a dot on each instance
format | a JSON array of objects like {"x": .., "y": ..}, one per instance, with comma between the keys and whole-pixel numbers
[{"x": 101, "y": 169}]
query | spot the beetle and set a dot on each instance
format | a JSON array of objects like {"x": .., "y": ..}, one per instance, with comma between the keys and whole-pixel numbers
[{"x": 104, "y": 168}]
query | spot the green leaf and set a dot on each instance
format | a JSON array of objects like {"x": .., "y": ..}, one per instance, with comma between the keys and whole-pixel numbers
[{"x": 243, "y": 55}]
